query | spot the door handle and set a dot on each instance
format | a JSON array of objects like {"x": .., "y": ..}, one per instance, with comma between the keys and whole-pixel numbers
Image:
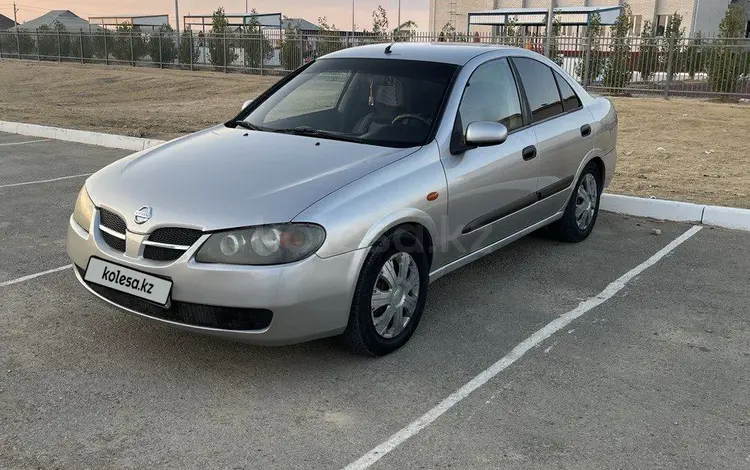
[
  {"x": 529, "y": 153},
  {"x": 585, "y": 130}
]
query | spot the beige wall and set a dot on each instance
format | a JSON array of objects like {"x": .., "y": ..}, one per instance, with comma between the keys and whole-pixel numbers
[{"x": 440, "y": 12}]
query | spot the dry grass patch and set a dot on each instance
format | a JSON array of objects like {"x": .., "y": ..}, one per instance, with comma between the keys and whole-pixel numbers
[{"x": 688, "y": 150}]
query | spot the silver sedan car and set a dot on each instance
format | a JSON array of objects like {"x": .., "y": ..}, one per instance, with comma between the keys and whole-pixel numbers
[{"x": 329, "y": 204}]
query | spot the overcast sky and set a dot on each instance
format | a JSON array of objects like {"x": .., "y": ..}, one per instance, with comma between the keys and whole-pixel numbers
[{"x": 337, "y": 11}]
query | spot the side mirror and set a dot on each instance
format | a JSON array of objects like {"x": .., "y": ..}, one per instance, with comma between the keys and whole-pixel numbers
[
  {"x": 247, "y": 103},
  {"x": 486, "y": 133}
]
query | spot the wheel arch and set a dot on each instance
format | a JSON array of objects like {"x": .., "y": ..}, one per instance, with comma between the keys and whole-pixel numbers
[{"x": 414, "y": 221}]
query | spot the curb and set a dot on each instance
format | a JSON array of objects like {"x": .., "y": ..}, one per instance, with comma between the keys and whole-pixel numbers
[
  {"x": 82, "y": 137},
  {"x": 717, "y": 216}
]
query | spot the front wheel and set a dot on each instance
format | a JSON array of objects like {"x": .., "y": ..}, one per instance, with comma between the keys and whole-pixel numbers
[
  {"x": 582, "y": 210},
  {"x": 389, "y": 297}
]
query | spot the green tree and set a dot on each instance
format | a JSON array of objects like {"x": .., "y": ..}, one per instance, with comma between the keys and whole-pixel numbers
[
  {"x": 20, "y": 42},
  {"x": 554, "y": 44},
  {"x": 292, "y": 47},
  {"x": 729, "y": 59},
  {"x": 672, "y": 44},
  {"x": 329, "y": 38},
  {"x": 189, "y": 51},
  {"x": 46, "y": 42},
  {"x": 513, "y": 33},
  {"x": 596, "y": 60},
  {"x": 162, "y": 45},
  {"x": 694, "y": 55},
  {"x": 68, "y": 47},
  {"x": 617, "y": 67},
  {"x": 648, "y": 54},
  {"x": 258, "y": 49},
  {"x": 101, "y": 44},
  {"x": 380, "y": 23},
  {"x": 447, "y": 33},
  {"x": 55, "y": 41},
  {"x": 129, "y": 43},
  {"x": 220, "y": 41},
  {"x": 82, "y": 44}
]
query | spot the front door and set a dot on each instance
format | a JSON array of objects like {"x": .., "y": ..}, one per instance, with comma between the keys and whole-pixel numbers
[{"x": 489, "y": 187}]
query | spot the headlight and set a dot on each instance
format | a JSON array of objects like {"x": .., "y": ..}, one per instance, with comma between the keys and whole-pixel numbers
[
  {"x": 262, "y": 246},
  {"x": 84, "y": 210}
]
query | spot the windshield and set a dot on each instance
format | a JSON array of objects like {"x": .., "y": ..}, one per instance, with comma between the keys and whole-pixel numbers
[{"x": 374, "y": 101}]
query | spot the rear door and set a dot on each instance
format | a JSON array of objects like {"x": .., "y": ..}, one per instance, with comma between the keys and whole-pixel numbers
[{"x": 562, "y": 128}]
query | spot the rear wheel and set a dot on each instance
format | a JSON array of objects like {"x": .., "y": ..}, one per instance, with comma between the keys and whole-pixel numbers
[
  {"x": 389, "y": 297},
  {"x": 582, "y": 210}
]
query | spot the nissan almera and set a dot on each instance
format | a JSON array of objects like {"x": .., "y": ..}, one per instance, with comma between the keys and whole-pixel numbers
[{"x": 329, "y": 204}]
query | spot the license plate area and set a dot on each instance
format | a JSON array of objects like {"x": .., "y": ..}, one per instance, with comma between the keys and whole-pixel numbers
[{"x": 145, "y": 286}]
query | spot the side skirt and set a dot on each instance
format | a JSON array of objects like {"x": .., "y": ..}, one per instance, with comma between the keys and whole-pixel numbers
[{"x": 438, "y": 273}]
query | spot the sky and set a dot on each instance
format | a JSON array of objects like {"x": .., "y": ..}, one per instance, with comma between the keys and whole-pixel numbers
[{"x": 338, "y": 12}]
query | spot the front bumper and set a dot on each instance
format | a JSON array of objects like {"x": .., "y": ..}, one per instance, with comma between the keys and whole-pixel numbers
[{"x": 309, "y": 299}]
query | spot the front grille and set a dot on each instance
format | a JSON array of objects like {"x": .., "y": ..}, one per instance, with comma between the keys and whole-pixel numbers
[
  {"x": 115, "y": 223},
  {"x": 112, "y": 221},
  {"x": 170, "y": 236},
  {"x": 167, "y": 236},
  {"x": 158, "y": 253},
  {"x": 175, "y": 236},
  {"x": 115, "y": 243},
  {"x": 223, "y": 318}
]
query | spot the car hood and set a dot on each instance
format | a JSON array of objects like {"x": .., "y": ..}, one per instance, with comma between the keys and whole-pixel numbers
[{"x": 226, "y": 178}]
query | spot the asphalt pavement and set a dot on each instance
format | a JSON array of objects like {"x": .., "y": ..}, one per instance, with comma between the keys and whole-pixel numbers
[{"x": 657, "y": 376}]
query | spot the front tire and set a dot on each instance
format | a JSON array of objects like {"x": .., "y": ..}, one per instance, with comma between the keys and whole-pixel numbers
[
  {"x": 389, "y": 297},
  {"x": 583, "y": 208}
]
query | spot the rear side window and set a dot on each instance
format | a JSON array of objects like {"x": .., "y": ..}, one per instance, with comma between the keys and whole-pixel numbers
[
  {"x": 569, "y": 98},
  {"x": 540, "y": 87}
]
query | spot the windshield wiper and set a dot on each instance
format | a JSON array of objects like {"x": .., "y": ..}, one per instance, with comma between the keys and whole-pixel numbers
[
  {"x": 310, "y": 132},
  {"x": 246, "y": 125}
]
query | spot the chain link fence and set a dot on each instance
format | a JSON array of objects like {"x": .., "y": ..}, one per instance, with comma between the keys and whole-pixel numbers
[{"x": 703, "y": 67}]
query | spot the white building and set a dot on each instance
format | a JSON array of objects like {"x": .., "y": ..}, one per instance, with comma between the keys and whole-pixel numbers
[{"x": 697, "y": 15}]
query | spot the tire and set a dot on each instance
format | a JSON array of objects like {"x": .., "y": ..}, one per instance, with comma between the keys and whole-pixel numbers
[
  {"x": 570, "y": 228},
  {"x": 376, "y": 331}
]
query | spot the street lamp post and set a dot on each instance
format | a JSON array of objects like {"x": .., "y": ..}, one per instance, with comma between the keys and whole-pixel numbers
[
  {"x": 398, "y": 30},
  {"x": 177, "y": 18}
]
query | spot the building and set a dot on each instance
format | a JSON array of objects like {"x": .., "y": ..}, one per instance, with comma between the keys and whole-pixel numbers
[
  {"x": 146, "y": 23},
  {"x": 698, "y": 15},
  {"x": 6, "y": 23},
  {"x": 300, "y": 24},
  {"x": 67, "y": 18}
]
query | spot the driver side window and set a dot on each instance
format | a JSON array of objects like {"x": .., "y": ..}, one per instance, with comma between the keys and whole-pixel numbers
[{"x": 492, "y": 95}]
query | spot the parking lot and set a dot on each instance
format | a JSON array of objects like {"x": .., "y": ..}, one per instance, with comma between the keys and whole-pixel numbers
[{"x": 654, "y": 373}]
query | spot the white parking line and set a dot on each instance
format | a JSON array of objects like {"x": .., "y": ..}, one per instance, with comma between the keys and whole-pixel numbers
[
  {"x": 532, "y": 341},
  {"x": 34, "y": 276},
  {"x": 44, "y": 181},
  {"x": 21, "y": 143}
]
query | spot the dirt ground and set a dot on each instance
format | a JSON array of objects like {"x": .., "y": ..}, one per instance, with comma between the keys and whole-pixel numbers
[{"x": 682, "y": 149}]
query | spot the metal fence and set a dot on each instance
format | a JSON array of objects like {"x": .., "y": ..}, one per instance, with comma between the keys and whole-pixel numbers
[{"x": 710, "y": 67}]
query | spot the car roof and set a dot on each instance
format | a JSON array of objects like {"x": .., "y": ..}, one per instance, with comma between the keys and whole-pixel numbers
[{"x": 449, "y": 53}]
